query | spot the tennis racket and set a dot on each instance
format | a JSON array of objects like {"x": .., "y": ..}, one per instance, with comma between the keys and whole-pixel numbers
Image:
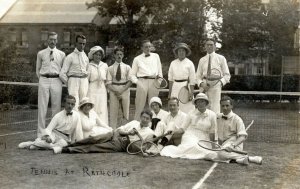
[
  {"x": 210, "y": 145},
  {"x": 212, "y": 79},
  {"x": 183, "y": 95},
  {"x": 141, "y": 145},
  {"x": 160, "y": 83}
]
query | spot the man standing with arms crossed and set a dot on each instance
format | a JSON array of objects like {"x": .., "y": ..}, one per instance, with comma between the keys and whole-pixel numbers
[
  {"x": 74, "y": 71},
  {"x": 48, "y": 66},
  {"x": 145, "y": 68},
  {"x": 217, "y": 62}
]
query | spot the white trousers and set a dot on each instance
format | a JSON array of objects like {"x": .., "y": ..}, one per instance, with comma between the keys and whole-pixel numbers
[
  {"x": 214, "y": 97},
  {"x": 144, "y": 88},
  {"x": 224, "y": 156},
  {"x": 78, "y": 87},
  {"x": 114, "y": 105},
  {"x": 97, "y": 94},
  {"x": 186, "y": 108},
  {"x": 48, "y": 87}
]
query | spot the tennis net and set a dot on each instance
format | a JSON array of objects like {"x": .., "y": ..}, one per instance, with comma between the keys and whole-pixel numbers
[{"x": 276, "y": 115}]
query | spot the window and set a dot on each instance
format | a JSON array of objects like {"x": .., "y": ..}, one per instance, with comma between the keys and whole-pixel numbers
[
  {"x": 12, "y": 35},
  {"x": 67, "y": 39},
  {"x": 24, "y": 39},
  {"x": 44, "y": 35}
]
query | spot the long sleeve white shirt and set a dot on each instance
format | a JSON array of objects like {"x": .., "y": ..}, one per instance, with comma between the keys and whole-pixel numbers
[
  {"x": 146, "y": 66},
  {"x": 70, "y": 125},
  {"x": 46, "y": 65},
  {"x": 217, "y": 62},
  {"x": 180, "y": 70}
]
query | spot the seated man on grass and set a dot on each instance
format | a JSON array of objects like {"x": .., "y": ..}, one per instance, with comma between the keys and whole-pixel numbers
[
  {"x": 172, "y": 123},
  {"x": 121, "y": 138},
  {"x": 232, "y": 134},
  {"x": 64, "y": 128}
]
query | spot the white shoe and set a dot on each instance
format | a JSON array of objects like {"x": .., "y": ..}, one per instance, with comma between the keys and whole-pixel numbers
[
  {"x": 243, "y": 161},
  {"x": 33, "y": 147},
  {"x": 255, "y": 159},
  {"x": 23, "y": 145},
  {"x": 57, "y": 149}
]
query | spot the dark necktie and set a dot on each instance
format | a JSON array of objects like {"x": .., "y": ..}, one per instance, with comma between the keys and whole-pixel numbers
[
  {"x": 118, "y": 74},
  {"x": 69, "y": 114},
  {"x": 209, "y": 66},
  {"x": 51, "y": 56},
  {"x": 224, "y": 117},
  {"x": 147, "y": 55}
]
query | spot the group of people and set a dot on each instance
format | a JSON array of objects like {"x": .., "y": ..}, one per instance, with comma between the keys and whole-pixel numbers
[{"x": 83, "y": 125}]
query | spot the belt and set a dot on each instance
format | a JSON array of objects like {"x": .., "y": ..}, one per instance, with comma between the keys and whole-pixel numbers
[
  {"x": 50, "y": 75},
  {"x": 123, "y": 83},
  {"x": 181, "y": 80},
  {"x": 78, "y": 76},
  {"x": 146, "y": 77}
]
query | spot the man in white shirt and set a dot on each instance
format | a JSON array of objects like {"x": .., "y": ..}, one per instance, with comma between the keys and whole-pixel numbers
[
  {"x": 145, "y": 68},
  {"x": 64, "y": 128},
  {"x": 212, "y": 61},
  {"x": 232, "y": 134},
  {"x": 48, "y": 66},
  {"x": 122, "y": 137},
  {"x": 118, "y": 83},
  {"x": 173, "y": 122},
  {"x": 74, "y": 71}
]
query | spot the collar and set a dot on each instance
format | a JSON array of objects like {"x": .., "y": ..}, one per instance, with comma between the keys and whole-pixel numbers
[
  {"x": 181, "y": 60},
  {"x": 92, "y": 63},
  {"x": 51, "y": 49},
  {"x": 77, "y": 51},
  {"x": 229, "y": 116},
  {"x": 204, "y": 114},
  {"x": 117, "y": 63},
  {"x": 144, "y": 55},
  {"x": 212, "y": 54},
  {"x": 71, "y": 113}
]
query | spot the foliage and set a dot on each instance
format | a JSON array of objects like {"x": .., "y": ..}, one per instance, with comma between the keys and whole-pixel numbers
[
  {"x": 166, "y": 22},
  {"x": 254, "y": 30}
]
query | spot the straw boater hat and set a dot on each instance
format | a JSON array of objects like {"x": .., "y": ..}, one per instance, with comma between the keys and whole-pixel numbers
[
  {"x": 155, "y": 99},
  {"x": 85, "y": 101},
  {"x": 95, "y": 49},
  {"x": 184, "y": 46},
  {"x": 200, "y": 96}
]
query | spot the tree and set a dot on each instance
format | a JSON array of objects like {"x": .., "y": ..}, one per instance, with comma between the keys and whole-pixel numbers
[
  {"x": 166, "y": 22},
  {"x": 251, "y": 29}
]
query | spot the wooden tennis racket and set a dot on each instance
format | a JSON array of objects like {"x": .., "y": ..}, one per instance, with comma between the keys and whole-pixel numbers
[
  {"x": 183, "y": 95},
  {"x": 143, "y": 145},
  {"x": 213, "y": 146},
  {"x": 160, "y": 83},
  {"x": 213, "y": 79}
]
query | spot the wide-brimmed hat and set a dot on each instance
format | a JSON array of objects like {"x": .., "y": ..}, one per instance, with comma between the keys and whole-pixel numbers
[
  {"x": 85, "y": 101},
  {"x": 95, "y": 49},
  {"x": 184, "y": 46},
  {"x": 155, "y": 99},
  {"x": 200, "y": 96}
]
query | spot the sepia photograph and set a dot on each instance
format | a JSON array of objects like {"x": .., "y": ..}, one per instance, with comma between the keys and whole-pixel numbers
[{"x": 150, "y": 94}]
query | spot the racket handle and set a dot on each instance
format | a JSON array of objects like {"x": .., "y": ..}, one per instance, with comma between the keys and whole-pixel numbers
[
  {"x": 201, "y": 90},
  {"x": 240, "y": 151}
]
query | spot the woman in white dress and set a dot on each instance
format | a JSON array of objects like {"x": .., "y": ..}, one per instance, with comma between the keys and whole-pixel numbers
[
  {"x": 97, "y": 92},
  {"x": 182, "y": 73},
  {"x": 200, "y": 124},
  {"x": 92, "y": 125}
]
